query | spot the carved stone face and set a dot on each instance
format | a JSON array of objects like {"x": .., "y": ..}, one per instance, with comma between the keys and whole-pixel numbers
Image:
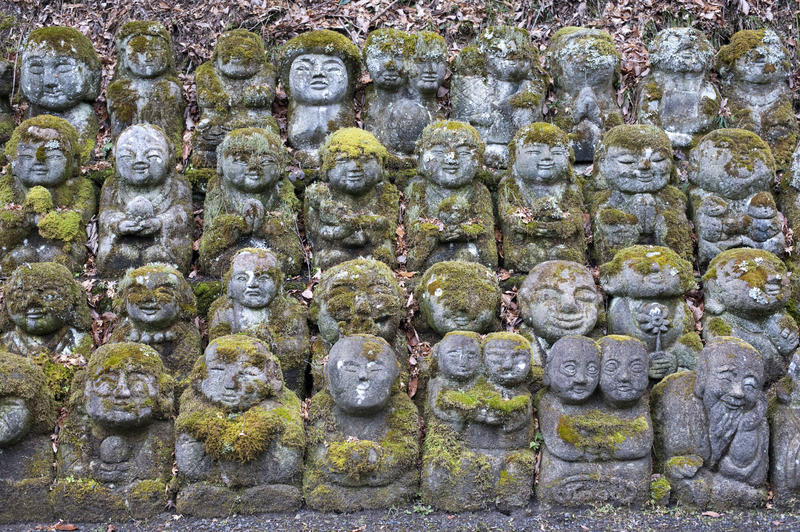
[
  {"x": 623, "y": 373},
  {"x": 121, "y": 397},
  {"x": 355, "y": 175},
  {"x": 386, "y": 68},
  {"x": 41, "y": 163},
  {"x": 16, "y": 420},
  {"x": 318, "y": 79},
  {"x": 142, "y": 156},
  {"x": 681, "y": 50},
  {"x": 746, "y": 285},
  {"x": 458, "y": 356},
  {"x": 360, "y": 372},
  {"x": 633, "y": 171},
  {"x": 233, "y": 384},
  {"x": 33, "y": 309},
  {"x": 541, "y": 164},
  {"x": 147, "y": 56},
  {"x": 152, "y": 300},
  {"x": 53, "y": 81},
  {"x": 732, "y": 378},
  {"x": 504, "y": 61},
  {"x": 238, "y": 58},
  {"x": 449, "y": 166},
  {"x": 730, "y": 172},
  {"x": 645, "y": 272},
  {"x": 251, "y": 283},
  {"x": 507, "y": 363},
  {"x": 573, "y": 369},
  {"x": 426, "y": 74},
  {"x": 254, "y": 172},
  {"x": 584, "y": 63},
  {"x": 761, "y": 65},
  {"x": 447, "y": 307}
]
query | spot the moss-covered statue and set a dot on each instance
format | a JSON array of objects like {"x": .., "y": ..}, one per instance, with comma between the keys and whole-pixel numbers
[
  {"x": 595, "y": 422},
  {"x": 146, "y": 207},
  {"x": 355, "y": 214},
  {"x": 60, "y": 76},
  {"x": 427, "y": 68},
  {"x": 585, "y": 67},
  {"x": 27, "y": 417},
  {"x": 115, "y": 445},
  {"x": 7, "y": 73},
  {"x": 747, "y": 291},
  {"x": 363, "y": 431},
  {"x": 783, "y": 415},
  {"x": 319, "y": 70},
  {"x": 47, "y": 319},
  {"x": 497, "y": 87},
  {"x": 477, "y": 451},
  {"x": 145, "y": 86},
  {"x": 44, "y": 202},
  {"x": 732, "y": 206},
  {"x": 449, "y": 214},
  {"x": 250, "y": 203},
  {"x": 157, "y": 307},
  {"x": 754, "y": 69},
  {"x": 678, "y": 95},
  {"x": 539, "y": 202},
  {"x": 234, "y": 90},
  {"x": 712, "y": 437},
  {"x": 254, "y": 304},
  {"x": 647, "y": 285},
  {"x": 639, "y": 206},
  {"x": 240, "y": 437}
]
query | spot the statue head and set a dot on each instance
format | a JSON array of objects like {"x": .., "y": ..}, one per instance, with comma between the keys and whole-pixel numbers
[
  {"x": 60, "y": 68},
  {"x": 458, "y": 355},
  {"x": 583, "y": 57},
  {"x": 145, "y": 50},
  {"x": 754, "y": 56},
  {"x": 155, "y": 296},
  {"x": 240, "y": 54},
  {"x": 428, "y": 63},
  {"x": 361, "y": 371},
  {"x": 541, "y": 154},
  {"x": 681, "y": 50},
  {"x": 730, "y": 374},
  {"x": 572, "y": 370},
  {"x": 450, "y": 153},
  {"x": 254, "y": 278},
  {"x": 624, "y": 365},
  {"x": 635, "y": 158},
  {"x": 507, "y": 358},
  {"x": 352, "y": 159},
  {"x": 559, "y": 298},
  {"x": 646, "y": 271},
  {"x": 143, "y": 156},
  {"x": 385, "y": 53},
  {"x": 459, "y": 296},
  {"x": 251, "y": 160},
  {"x": 26, "y": 403},
  {"x": 508, "y": 51},
  {"x": 44, "y": 151}
]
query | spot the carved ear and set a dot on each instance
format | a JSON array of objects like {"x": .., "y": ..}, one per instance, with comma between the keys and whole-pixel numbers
[{"x": 712, "y": 304}]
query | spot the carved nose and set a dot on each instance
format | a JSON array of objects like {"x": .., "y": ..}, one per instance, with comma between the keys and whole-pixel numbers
[
  {"x": 122, "y": 389},
  {"x": 580, "y": 376},
  {"x": 568, "y": 304},
  {"x": 230, "y": 380},
  {"x": 644, "y": 164},
  {"x": 251, "y": 280},
  {"x": 736, "y": 390}
]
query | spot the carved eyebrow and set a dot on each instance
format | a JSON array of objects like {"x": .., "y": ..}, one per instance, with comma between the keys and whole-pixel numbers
[{"x": 331, "y": 62}]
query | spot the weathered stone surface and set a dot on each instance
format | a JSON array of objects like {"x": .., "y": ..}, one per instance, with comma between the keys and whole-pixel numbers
[
  {"x": 732, "y": 171},
  {"x": 711, "y": 432},
  {"x": 784, "y": 440},
  {"x": 6, "y": 112},
  {"x": 678, "y": 95},
  {"x": 146, "y": 207},
  {"x": 540, "y": 203},
  {"x": 498, "y": 87},
  {"x": 647, "y": 286},
  {"x": 240, "y": 438},
  {"x": 363, "y": 431},
  {"x": 254, "y": 304},
  {"x": 46, "y": 204},
  {"x": 355, "y": 214},
  {"x": 115, "y": 445}
]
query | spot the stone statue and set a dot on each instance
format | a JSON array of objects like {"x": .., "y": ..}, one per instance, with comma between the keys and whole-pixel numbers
[
  {"x": 427, "y": 69},
  {"x": 46, "y": 204},
  {"x": 240, "y": 437},
  {"x": 363, "y": 431},
  {"x": 250, "y": 203},
  {"x": 356, "y": 212},
  {"x": 497, "y": 87},
  {"x": 585, "y": 67},
  {"x": 647, "y": 286},
  {"x": 639, "y": 205},
  {"x": 115, "y": 445},
  {"x": 477, "y": 451},
  {"x": 747, "y": 291},
  {"x": 732, "y": 172},
  {"x": 319, "y": 70},
  {"x": 539, "y": 202},
  {"x": 254, "y": 304},
  {"x": 60, "y": 76},
  {"x": 754, "y": 69},
  {"x": 156, "y": 306},
  {"x": 712, "y": 437},
  {"x": 449, "y": 214},
  {"x": 234, "y": 90},
  {"x": 596, "y": 449},
  {"x": 7, "y": 76},
  {"x": 146, "y": 207},
  {"x": 678, "y": 95},
  {"x": 27, "y": 417},
  {"x": 784, "y": 445}
]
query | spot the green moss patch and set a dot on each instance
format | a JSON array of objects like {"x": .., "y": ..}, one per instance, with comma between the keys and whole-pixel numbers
[{"x": 599, "y": 431}]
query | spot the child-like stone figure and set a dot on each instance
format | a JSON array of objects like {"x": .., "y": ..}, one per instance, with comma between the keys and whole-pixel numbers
[
  {"x": 354, "y": 214},
  {"x": 640, "y": 206},
  {"x": 497, "y": 87},
  {"x": 234, "y": 90},
  {"x": 46, "y": 204},
  {"x": 539, "y": 202},
  {"x": 712, "y": 437},
  {"x": 363, "y": 431},
  {"x": 647, "y": 285},
  {"x": 319, "y": 70},
  {"x": 146, "y": 207},
  {"x": 255, "y": 305},
  {"x": 449, "y": 214},
  {"x": 754, "y": 69},
  {"x": 596, "y": 448},
  {"x": 250, "y": 203},
  {"x": 27, "y": 417},
  {"x": 480, "y": 423},
  {"x": 427, "y": 69},
  {"x": 585, "y": 66},
  {"x": 115, "y": 445},
  {"x": 731, "y": 172},
  {"x": 145, "y": 87},
  {"x": 747, "y": 291},
  {"x": 157, "y": 307},
  {"x": 240, "y": 438},
  {"x": 784, "y": 441},
  {"x": 678, "y": 95},
  {"x": 60, "y": 76}
]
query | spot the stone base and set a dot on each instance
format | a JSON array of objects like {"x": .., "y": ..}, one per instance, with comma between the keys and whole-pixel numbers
[
  {"x": 328, "y": 497},
  {"x": 208, "y": 500},
  {"x": 88, "y": 500},
  {"x": 26, "y": 472},
  {"x": 712, "y": 490}
]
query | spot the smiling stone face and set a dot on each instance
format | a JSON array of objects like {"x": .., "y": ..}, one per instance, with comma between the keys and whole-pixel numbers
[
  {"x": 152, "y": 299},
  {"x": 572, "y": 370},
  {"x": 646, "y": 271},
  {"x": 449, "y": 153},
  {"x": 623, "y": 370},
  {"x": 253, "y": 283},
  {"x": 539, "y": 163},
  {"x": 45, "y": 153},
  {"x": 635, "y": 158},
  {"x": 428, "y": 63},
  {"x": 747, "y": 282},
  {"x": 384, "y": 56},
  {"x": 353, "y": 161},
  {"x": 250, "y": 160},
  {"x": 41, "y": 297},
  {"x": 730, "y": 376},
  {"x": 143, "y": 156},
  {"x": 507, "y": 360},
  {"x": 318, "y": 79}
]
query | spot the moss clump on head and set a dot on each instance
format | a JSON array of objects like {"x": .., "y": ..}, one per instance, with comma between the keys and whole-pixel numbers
[
  {"x": 157, "y": 274},
  {"x": 428, "y": 45},
  {"x": 465, "y": 286},
  {"x": 232, "y": 347},
  {"x": 745, "y": 147},
  {"x": 450, "y": 133},
  {"x": 130, "y": 32},
  {"x": 29, "y": 279},
  {"x": 519, "y": 36},
  {"x": 635, "y": 137},
  {"x": 22, "y": 378},
  {"x": 69, "y": 42},
  {"x": 353, "y": 142},
  {"x": 325, "y": 42},
  {"x": 664, "y": 46},
  {"x": 741, "y": 42},
  {"x": 539, "y": 133},
  {"x": 47, "y": 128},
  {"x": 248, "y": 141},
  {"x": 388, "y": 41},
  {"x": 641, "y": 258},
  {"x": 229, "y": 43},
  {"x": 754, "y": 266},
  {"x": 470, "y": 62}
]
